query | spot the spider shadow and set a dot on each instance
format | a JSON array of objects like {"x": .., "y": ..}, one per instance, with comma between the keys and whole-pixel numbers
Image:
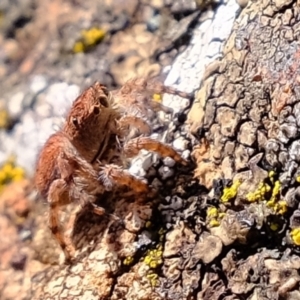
[{"x": 91, "y": 229}]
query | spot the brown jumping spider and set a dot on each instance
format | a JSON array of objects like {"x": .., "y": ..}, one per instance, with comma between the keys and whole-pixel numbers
[{"x": 86, "y": 156}]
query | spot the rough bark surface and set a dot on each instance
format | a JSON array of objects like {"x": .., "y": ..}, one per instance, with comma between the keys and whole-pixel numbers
[{"x": 230, "y": 232}]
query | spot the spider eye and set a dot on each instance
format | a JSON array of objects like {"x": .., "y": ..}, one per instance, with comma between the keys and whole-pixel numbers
[
  {"x": 75, "y": 122},
  {"x": 96, "y": 110},
  {"x": 103, "y": 101}
]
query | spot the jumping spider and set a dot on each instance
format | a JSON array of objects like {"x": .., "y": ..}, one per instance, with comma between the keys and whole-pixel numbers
[{"x": 86, "y": 156}]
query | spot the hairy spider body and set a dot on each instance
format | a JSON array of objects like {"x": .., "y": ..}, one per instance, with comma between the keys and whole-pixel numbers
[{"x": 85, "y": 157}]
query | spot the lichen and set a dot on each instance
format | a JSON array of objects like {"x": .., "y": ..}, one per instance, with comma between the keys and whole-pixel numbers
[
  {"x": 153, "y": 257},
  {"x": 230, "y": 192},
  {"x": 9, "y": 172},
  {"x": 157, "y": 98},
  {"x": 148, "y": 224},
  {"x": 214, "y": 216},
  {"x": 295, "y": 235},
  {"x": 89, "y": 38},
  {"x": 4, "y": 119},
  {"x": 153, "y": 278},
  {"x": 161, "y": 234},
  {"x": 269, "y": 190},
  {"x": 260, "y": 194},
  {"x": 279, "y": 206},
  {"x": 128, "y": 261},
  {"x": 274, "y": 226},
  {"x": 212, "y": 212}
]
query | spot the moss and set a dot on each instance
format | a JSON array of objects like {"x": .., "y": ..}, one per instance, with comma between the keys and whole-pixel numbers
[
  {"x": 9, "y": 172},
  {"x": 295, "y": 235},
  {"x": 230, "y": 193},
  {"x": 89, "y": 39}
]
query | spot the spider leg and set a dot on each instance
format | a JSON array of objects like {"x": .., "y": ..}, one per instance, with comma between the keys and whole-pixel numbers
[
  {"x": 157, "y": 87},
  {"x": 113, "y": 174},
  {"x": 132, "y": 148},
  {"x": 63, "y": 191},
  {"x": 141, "y": 84},
  {"x": 58, "y": 197},
  {"x": 132, "y": 121},
  {"x": 138, "y": 93},
  {"x": 157, "y": 106},
  {"x": 98, "y": 210},
  {"x": 84, "y": 172}
]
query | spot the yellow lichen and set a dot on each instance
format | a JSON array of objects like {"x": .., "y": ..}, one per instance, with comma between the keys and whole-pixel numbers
[
  {"x": 269, "y": 191},
  {"x": 214, "y": 223},
  {"x": 153, "y": 278},
  {"x": 1, "y": 17},
  {"x": 4, "y": 119},
  {"x": 157, "y": 97},
  {"x": 89, "y": 38},
  {"x": 221, "y": 215},
  {"x": 214, "y": 216},
  {"x": 271, "y": 176},
  {"x": 230, "y": 193},
  {"x": 78, "y": 47},
  {"x": 128, "y": 261},
  {"x": 279, "y": 206},
  {"x": 9, "y": 172},
  {"x": 295, "y": 235},
  {"x": 212, "y": 212},
  {"x": 161, "y": 233},
  {"x": 153, "y": 257},
  {"x": 148, "y": 224},
  {"x": 274, "y": 226},
  {"x": 260, "y": 193},
  {"x": 276, "y": 190}
]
